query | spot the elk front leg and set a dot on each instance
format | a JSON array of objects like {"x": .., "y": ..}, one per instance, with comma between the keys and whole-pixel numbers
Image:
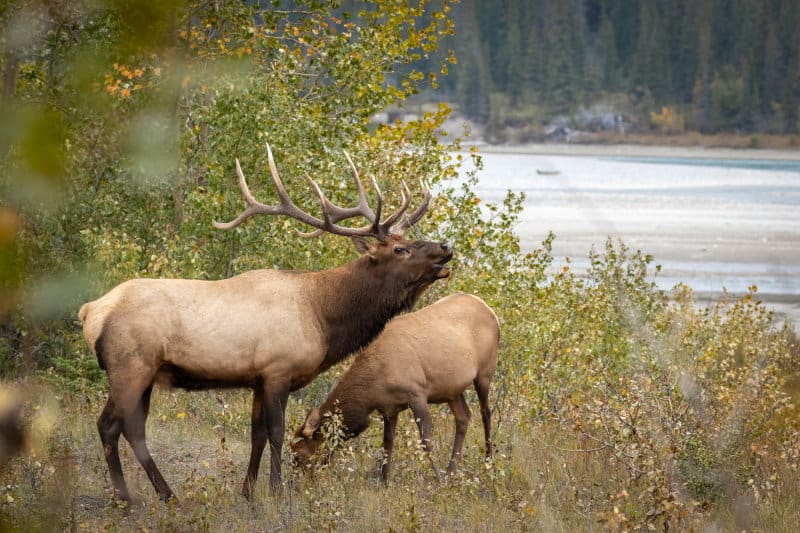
[
  {"x": 423, "y": 417},
  {"x": 389, "y": 426},
  {"x": 275, "y": 397},
  {"x": 461, "y": 413},
  {"x": 258, "y": 439}
]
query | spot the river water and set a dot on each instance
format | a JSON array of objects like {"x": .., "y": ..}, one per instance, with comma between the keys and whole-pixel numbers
[{"x": 712, "y": 223}]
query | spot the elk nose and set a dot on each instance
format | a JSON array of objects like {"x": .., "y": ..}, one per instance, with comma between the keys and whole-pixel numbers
[{"x": 446, "y": 248}]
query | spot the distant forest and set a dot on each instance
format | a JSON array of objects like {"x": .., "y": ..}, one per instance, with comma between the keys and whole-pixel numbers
[{"x": 665, "y": 65}]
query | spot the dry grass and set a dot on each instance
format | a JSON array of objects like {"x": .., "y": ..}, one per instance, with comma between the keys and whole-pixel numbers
[
  {"x": 201, "y": 443},
  {"x": 544, "y": 478}
]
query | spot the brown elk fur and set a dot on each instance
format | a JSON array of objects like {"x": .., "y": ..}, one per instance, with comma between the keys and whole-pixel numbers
[
  {"x": 272, "y": 331},
  {"x": 429, "y": 356}
]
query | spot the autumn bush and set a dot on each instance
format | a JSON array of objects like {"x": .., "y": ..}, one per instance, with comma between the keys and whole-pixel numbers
[{"x": 668, "y": 121}]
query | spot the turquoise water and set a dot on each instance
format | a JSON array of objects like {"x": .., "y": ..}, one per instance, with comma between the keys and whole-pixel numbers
[{"x": 775, "y": 165}]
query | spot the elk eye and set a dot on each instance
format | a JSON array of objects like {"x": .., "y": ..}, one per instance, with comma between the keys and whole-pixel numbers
[{"x": 399, "y": 250}]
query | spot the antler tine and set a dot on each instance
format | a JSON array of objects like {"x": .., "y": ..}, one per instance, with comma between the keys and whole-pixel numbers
[
  {"x": 328, "y": 218},
  {"x": 405, "y": 196},
  {"x": 254, "y": 207},
  {"x": 376, "y": 222},
  {"x": 273, "y": 170},
  {"x": 323, "y": 200},
  {"x": 362, "y": 198},
  {"x": 410, "y": 220}
]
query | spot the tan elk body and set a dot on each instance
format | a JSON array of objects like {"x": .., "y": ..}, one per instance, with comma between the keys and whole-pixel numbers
[
  {"x": 429, "y": 356},
  {"x": 269, "y": 330}
]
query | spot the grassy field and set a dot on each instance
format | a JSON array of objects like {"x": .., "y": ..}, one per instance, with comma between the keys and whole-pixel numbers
[
  {"x": 547, "y": 475},
  {"x": 201, "y": 443}
]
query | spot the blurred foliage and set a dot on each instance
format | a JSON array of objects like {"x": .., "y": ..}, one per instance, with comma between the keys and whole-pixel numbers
[
  {"x": 667, "y": 121},
  {"x": 614, "y": 401}
]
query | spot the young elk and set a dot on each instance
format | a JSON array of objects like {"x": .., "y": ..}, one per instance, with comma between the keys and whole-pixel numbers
[
  {"x": 429, "y": 356},
  {"x": 268, "y": 330}
]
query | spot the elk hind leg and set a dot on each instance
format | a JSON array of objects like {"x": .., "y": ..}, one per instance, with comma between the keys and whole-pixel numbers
[
  {"x": 134, "y": 431},
  {"x": 258, "y": 439},
  {"x": 109, "y": 425},
  {"x": 389, "y": 427},
  {"x": 276, "y": 395},
  {"x": 482, "y": 388},
  {"x": 425, "y": 424},
  {"x": 462, "y": 415}
]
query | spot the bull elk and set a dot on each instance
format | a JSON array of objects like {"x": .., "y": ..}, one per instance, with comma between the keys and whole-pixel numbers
[
  {"x": 429, "y": 356},
  {"x": 269, "y": 330}
]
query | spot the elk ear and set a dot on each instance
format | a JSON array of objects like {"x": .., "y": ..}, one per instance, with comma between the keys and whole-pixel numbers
[
  {"x": 311, "y": 424},
  {"x": 362, "y": 244},
  {"x": 365, "y": 246}
]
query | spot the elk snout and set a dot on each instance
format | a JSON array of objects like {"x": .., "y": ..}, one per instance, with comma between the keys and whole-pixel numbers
[
  {"x": 443, "y": 271},
  {"x": 301, "y": 459}
]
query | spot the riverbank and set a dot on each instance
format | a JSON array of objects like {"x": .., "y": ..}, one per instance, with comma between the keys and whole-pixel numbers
[{"x": 640, "y": 150}]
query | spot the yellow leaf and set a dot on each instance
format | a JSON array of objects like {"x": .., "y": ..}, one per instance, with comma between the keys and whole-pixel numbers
[{"x": 181, "y": 415}]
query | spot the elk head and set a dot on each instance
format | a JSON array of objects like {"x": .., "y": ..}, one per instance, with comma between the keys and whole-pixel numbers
[{"x": 307, "y": 439}]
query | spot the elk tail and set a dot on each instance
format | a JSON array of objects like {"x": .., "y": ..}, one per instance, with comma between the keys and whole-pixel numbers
[
  {"x": 83, "y": 314},
  {"x": 83, "y": 311}
]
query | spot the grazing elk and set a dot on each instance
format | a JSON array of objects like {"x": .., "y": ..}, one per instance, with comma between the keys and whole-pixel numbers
[
  {"x": 269, "y": 330},
  {"x": 429, "y": 356}
]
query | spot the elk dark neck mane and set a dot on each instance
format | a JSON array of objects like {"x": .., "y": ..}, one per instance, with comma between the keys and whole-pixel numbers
[{"x": 356, "y": 301}]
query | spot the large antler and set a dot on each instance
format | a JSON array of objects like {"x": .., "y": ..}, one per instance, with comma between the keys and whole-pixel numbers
[{"x": 331, "y": 213}]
